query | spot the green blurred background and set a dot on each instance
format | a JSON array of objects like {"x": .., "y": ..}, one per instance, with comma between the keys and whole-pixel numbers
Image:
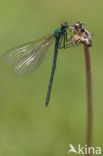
[{"x": 27, "y": 128}]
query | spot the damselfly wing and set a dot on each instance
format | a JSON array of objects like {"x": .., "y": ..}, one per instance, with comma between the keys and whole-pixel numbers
[{"x": 28, "y": 57}]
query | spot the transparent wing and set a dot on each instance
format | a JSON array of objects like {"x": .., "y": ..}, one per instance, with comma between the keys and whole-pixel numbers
[
  {"x": 16, "y": 54},
  {"x": 32, "y": 58}
]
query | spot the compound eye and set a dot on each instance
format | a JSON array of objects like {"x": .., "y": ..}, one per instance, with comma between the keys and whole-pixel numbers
[{"x": 64, "y": 24}]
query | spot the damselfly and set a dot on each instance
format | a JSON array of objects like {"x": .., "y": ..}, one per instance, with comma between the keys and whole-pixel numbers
[{"x": 28, "y": 57}]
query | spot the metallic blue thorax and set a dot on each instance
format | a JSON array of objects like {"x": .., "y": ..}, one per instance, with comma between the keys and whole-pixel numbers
[{"x": 58, "y": 32}]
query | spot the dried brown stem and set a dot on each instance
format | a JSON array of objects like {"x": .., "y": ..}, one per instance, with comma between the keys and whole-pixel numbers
[{"x": 89, "y": 96}]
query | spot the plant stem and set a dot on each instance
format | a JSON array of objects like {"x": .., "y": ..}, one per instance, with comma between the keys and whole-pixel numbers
[{"x": 89, "y": 96}]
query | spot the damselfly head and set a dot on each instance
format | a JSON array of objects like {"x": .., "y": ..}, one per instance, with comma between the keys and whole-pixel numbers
[{"x": 64, "y": 25}]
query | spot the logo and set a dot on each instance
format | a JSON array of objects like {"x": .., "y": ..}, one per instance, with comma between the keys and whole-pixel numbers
[{"x": 84, "y": 150}]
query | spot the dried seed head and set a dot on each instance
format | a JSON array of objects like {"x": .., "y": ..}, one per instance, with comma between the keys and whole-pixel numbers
[{"x": 81, "y": 34}]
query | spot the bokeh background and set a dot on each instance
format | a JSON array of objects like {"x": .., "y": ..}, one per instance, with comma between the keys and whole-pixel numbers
[{"x": 27, "y": 128}]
